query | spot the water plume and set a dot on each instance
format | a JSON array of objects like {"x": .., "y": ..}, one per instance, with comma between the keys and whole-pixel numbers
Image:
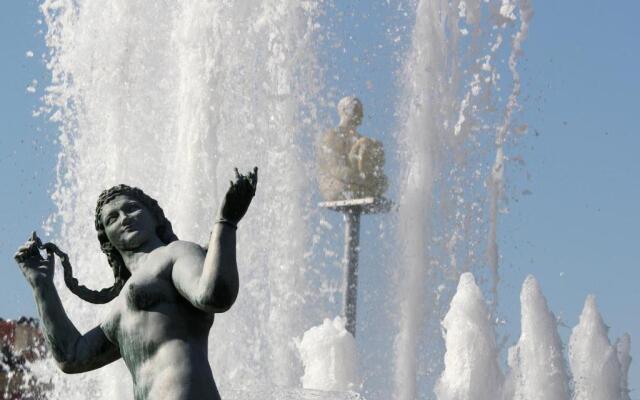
[
  {"x": 594, "y": 361},
  {"x": 471, "y": 361},
  {"x": 328, "y": 352},
  {"x": 536, "y": 361}
]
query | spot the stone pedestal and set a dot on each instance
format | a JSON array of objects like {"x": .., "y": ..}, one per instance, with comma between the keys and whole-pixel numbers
[{"x": 352, "y": 210}]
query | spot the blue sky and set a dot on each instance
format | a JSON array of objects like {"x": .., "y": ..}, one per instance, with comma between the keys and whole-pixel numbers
[
  {"x": 27, "y": 157},
  {"x": 577, "y": 231}
]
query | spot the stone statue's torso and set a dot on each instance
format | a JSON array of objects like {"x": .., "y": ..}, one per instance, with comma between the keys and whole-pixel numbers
[
  {"x": 350, "y": 165},
  {"x": 342, "y": 139},
  {"x": 162, "y": 337}
]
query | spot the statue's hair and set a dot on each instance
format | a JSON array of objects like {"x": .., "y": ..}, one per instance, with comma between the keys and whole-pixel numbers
[{"x": 120, "y": 271}]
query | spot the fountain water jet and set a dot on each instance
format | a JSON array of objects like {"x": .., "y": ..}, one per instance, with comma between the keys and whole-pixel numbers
[
  {"x": 450, "y": 187},
  {"x": 536, "y": 361},
  {"x": 594, "y": 362},
  {"x": 471, "y": 361}
]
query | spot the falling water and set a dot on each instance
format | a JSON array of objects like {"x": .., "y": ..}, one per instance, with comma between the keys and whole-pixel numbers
[
  {"x": 170, "y": 96},
  {"x": 454, "y": 128},
  {"x": 507, "y": 10}
]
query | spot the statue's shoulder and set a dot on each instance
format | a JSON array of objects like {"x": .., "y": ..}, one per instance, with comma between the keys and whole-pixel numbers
[
  {"x": 180, "y": 248},
  {"x": 332, "y": 140}
]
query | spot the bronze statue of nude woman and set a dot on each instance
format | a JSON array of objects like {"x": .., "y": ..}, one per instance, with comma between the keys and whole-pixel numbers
[{"x": 164, "y": 298}]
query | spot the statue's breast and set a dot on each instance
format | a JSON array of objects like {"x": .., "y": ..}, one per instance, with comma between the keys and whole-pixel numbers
[
  {"x": 145, "y": 291},
  {"x": 149, "y": 289}
]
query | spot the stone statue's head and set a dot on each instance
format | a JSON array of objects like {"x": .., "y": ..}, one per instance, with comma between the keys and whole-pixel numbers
[
  {"x": 350, "y": 110},
  {"x": 120, "y": 271}
]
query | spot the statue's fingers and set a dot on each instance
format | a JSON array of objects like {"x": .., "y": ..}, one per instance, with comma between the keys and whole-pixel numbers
[
  {"x": 237, "y": 173},
  {"x": 51, "y": 259},
  {"x": 36, "y": 239},
  {"x": 22, "y": 254},
  {"x": 23, "y": 248},
  {"x": 19, "y": 256},
  {"x": 254, "y": 178},
  {"x": 250, "y": 189},
  {"x": 233, "y": 188},
  {"x": 29, "y": 247},
  {"x": 241, "y": 185}
]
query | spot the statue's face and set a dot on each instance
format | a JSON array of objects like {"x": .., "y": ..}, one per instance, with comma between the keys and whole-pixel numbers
[
  {"x": 128, "y": 224},
  {"x": 352, "y": 111}
]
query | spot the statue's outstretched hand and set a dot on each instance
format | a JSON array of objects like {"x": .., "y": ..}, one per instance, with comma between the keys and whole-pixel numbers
[
  {"x": 33, "y": 266},
  {"x": 236, "y": 202}
]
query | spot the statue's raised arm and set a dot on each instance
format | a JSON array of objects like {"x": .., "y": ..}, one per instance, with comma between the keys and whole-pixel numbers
[{"x": 211, "y": 284}]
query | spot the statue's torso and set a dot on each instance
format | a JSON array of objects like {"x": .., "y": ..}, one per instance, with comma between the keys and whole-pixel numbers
[
  {"x": 350, "y": 165},
  {"x": 161, "y": 336}
]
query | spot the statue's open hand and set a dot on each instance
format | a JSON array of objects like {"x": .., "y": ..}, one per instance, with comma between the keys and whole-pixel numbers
[
  {"x": 236, "y": 202},
  {"x": 33, "y": 266}
]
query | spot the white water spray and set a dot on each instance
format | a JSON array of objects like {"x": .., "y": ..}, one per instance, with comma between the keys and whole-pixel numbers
[
  {"x": 413, "y": 214},
  {"x": 169, "y": 96},
  {"x": 496, "y": 181},
  {"x": 328, "y": 352},
  {"x": 594, "y": 362},
  {"x": 449, "y": 115},
  {"x": 471, "y": 361},
  {"x": 536, "y": 361}
]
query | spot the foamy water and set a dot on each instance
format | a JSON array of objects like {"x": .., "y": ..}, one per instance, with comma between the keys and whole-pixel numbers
[
  {"x": 538, "y": 370},
  {"x": 471, "y": 362},
  {"x": 328, "y": 352},
  {"x": 594, "y": 362}
]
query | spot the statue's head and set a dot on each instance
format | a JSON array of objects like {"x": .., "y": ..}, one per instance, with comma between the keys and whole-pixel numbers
[
  {"x": 350, "y": 110},
  {"x": 163, "y": 227},
  {"x": 121, "y": 274}
]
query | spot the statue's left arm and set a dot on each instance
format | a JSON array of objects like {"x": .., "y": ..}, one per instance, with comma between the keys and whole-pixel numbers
[{"x": 210, "y": 282}]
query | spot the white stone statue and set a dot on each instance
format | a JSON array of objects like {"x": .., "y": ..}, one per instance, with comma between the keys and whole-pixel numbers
[{"x": 351, "y": 166}]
